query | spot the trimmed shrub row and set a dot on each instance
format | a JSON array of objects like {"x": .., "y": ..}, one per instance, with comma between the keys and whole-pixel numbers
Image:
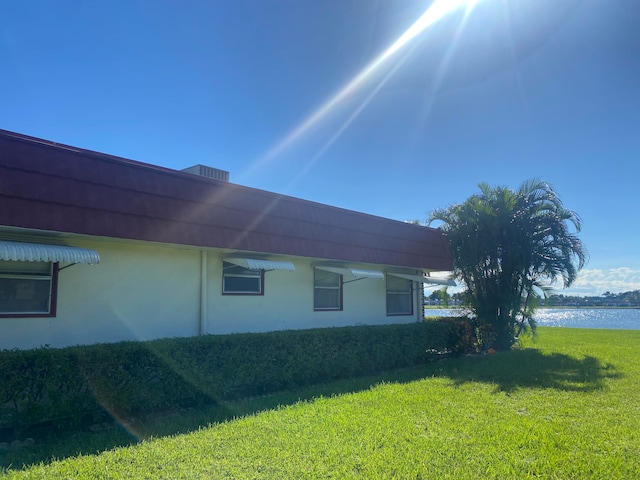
[{"x": 63, "y": 387}]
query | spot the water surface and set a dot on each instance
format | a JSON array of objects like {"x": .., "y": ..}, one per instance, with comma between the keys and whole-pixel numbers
[{"x": 609, "y": 318}]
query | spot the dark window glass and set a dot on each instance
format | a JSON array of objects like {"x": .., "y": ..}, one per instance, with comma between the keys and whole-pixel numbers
[
  {"x": 238, "y": 280},
  {"x": 327, "y": 290},
  {"x": 26, "y": 288},
  {"x": 399, "y": 296}
]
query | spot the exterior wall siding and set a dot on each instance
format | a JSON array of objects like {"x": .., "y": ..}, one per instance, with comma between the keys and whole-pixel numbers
[
  {"x": 151, "y": 225},
  {"x": 287, "y": 303},
  {"x": 135, "y": 293},
  {"x": 142, "y": 291}
]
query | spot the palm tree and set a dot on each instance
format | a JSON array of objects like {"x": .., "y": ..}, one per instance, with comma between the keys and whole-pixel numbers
[{"x": 508, "y": 248}]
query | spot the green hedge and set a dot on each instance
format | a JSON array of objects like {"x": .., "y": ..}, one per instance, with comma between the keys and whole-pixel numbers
[{"x": 60, "y": 387}]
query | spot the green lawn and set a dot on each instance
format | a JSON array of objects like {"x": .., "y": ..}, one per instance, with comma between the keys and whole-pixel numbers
[{"x": 565, "y": 407}]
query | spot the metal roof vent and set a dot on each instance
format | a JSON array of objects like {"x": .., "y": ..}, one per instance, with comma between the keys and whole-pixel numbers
[{"x": 208, "y": 172}]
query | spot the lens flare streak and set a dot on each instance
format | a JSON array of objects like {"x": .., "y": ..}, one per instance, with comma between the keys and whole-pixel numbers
[
  {"x": 436, "y": 11},
  {"x": 349, "y": 121}
]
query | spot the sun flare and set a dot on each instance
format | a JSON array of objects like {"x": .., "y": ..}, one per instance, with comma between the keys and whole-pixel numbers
[{"x": 436, "y": 12}]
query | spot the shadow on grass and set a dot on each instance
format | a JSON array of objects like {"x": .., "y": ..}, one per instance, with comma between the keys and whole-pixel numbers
[
  {"x": 529, "y": 368},
  {"x": 509, "y": 371},
  {"x": 131, "y": 431}
]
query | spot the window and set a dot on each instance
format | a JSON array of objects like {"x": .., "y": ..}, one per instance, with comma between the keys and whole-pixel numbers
[
  {"x": 28, "y": 289},
  {"x": 237, "y": 280},
  {"x": 327, "y": 290},
  {"x": 399, "y": 296}
]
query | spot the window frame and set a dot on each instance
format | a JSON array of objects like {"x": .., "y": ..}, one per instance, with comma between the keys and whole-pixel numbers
[
  {"x": 258, "y": 274},
  {"x": 408, "y": 292},
  {"x": 53, "y": 291},
  {"x": 338, "y": 287}
]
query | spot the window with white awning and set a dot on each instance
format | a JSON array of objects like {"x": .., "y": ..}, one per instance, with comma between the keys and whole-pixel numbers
[
  {"x": 29, "y": 276},
  {"x": 245, "y": 276}
]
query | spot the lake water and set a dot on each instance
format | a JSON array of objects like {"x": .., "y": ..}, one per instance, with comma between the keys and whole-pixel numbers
[{"x": 610, "y": 318}]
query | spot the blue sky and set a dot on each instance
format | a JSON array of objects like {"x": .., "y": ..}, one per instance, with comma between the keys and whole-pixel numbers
[{"x": 498, "y": 93}]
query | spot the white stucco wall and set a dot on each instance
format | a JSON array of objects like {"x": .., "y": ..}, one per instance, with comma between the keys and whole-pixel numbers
[
  {"x": 146, "y": 291},
  {"x": 287, "y": 303},
  {"x": 137, "y": 292}
]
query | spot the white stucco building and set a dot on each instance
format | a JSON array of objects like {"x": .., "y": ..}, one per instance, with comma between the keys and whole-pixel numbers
[{"x": 96, "y": 248}]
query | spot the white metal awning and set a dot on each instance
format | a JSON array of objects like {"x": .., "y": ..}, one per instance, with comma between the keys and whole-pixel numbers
[
  {"x": 427, "y": 280},
  {"x": 256, "y": 264},
  {"x": 356, "y": 273},
  {"x": 40, "y": 252}
]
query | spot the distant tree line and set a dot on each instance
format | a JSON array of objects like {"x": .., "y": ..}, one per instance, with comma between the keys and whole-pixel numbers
[
  {"x": 443, "y": 298},
  {"x": 607, "y": 299}
]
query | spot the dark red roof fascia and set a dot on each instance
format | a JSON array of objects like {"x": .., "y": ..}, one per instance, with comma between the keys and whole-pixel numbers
[{"x": 47, "y": 186}]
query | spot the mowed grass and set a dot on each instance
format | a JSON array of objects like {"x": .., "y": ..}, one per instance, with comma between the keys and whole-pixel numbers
[{"x": 567, "y": 406}]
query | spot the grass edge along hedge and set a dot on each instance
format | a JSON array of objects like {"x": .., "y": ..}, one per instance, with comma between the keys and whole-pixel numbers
[{"x": 69, "y": 387}]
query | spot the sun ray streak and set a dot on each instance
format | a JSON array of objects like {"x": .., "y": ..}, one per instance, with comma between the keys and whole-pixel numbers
[
  {"x": 273, "y": 204},
  {"x": 517, "y": 71},
  {"x": 350, "y": 120},
  {"x": 444, "y": 64},
  {"x": 436, "y": 11}
]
